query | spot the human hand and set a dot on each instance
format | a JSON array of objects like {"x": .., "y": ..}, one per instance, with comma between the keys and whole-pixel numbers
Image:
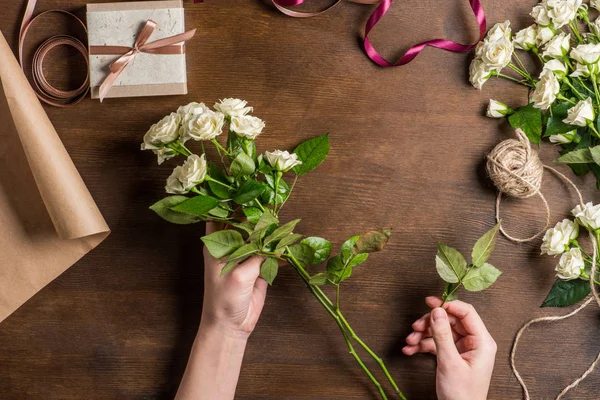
[
  {"x": 232, "y": 301},
  {"x": 465, "y": 349}
]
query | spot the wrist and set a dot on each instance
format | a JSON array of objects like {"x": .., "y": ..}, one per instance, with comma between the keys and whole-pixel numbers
[{"x": 213, "y": 328}]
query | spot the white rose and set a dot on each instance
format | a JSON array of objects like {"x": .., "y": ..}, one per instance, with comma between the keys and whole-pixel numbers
[
  {"x": 581, "y": 70},
  {"x": 174, "y": 185},
  {"x": 545, "y": 90},
  {"x": 478, "y": 73},
  {"x": 557, "y": 67},
  {"x": 206, "y": 126},
  {"x": 191, "y": 110},
  {"x": 247, "y": 126},
  {"x": 556, "y": 240},
  {"x": 563, "y": 12},
  {"x": 544, "y": 35},
  {"x": 499, "y": 31},
  {"x": 188, "y": 175},
  {"x": 497, "y": 109},
  {"x": 164, "y": 154},
  {"x": 558, "y": 46},
  {"x": 581, "y": 114},
  {"x": 586, "y": 53},
  {"x": 570, "y": 265},
  {"x": 525, "y": 39},
  {"x": 595, "y": 4},
  {"x": 496, "y": 55},
  {"x": 282, "y": 160},
  {"x": 595, "y": 26},
  {"x": 540, "y": 14},
  {"x": 563, "y": 138},
  {"x": 164, "y": 131},
  {"x": 233, "y": 107},
  {"x": 588, "y": 215}
]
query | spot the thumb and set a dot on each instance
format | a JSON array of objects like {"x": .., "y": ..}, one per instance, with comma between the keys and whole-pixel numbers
[{"x": 442, "y": 336}]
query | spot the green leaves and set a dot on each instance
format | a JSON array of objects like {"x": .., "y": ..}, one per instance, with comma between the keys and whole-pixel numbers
[
  {"x": 450, "y": 264},
  {"x": 321, "y": 247},
  {"x": 303, "y": 253},
  {"x": 163, "y": 209},
  {"x": 373, "y": 241},
  {"x": 480, "y": 278},
  {"x": 266, "y": 220},
  {"x": 555, "y": 124},
  {"x": 311, "y": 153},
  {"x": 581, "y": 156},
  {"x": 242, "y": 165},
  {"x": 222, "y": 243},
  {"x": 485, "y": 246},
  {"x": 528, "y": 119},
  {"x": 566, "y": 293},
  {"x": 248, "y": 191},
  {"x": 268, "y": 270},
  {"x": 281, "y": 232},
  {"x": 198, "y": 205},
  {"x": 244, "y": 251}
]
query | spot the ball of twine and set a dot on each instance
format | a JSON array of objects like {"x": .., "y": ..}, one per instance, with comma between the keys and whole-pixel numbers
[{"x": 515, "y": 168}]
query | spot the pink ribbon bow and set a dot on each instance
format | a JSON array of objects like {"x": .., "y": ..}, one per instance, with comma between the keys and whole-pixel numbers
[
  {"x": 170, "y": 45},
  {"x": 377, "y": 14}
]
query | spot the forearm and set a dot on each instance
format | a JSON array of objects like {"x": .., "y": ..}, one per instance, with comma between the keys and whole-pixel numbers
[{"x": 214, "y": 365}]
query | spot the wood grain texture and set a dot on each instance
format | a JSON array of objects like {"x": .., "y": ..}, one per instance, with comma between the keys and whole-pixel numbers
[{"x": 408, "y": 148}]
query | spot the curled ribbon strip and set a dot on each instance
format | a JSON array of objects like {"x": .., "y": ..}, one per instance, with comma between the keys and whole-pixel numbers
[
  {"x": 377, "y": 14},
  {"x": 42, "y": 88},
  {"x": 170, "y": 45}
]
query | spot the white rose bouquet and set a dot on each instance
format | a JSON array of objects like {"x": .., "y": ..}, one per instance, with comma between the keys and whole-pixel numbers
[
  {"x": 247, "y": 191},
  {"x": 564, "y": 98},
  {"x": 574, "y": 266}
]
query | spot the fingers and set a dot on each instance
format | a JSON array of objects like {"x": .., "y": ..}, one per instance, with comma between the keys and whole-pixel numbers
[
  {"x": 424, "y": 346},
  {"x": 465, "y": 312},
  {"x": 249, "y": 270},
  {"x": 212, "y": 227},
  {"x": 442, "y": 336},
  {"x": 422, "y": 324}
]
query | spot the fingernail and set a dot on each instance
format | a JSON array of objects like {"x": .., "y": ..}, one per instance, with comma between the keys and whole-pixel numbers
[
  {"x": 411, "y": 335},
  {"x": 439, "y": 314}
]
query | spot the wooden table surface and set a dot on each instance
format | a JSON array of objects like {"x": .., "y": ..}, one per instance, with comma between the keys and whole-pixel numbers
[{"x": 408, "y": 147}]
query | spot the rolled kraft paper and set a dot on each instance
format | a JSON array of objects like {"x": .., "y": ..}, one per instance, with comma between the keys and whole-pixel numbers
[{"x": 49, "y": 219}]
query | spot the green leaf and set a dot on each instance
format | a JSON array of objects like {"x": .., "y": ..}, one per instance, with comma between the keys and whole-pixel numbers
[
  {"x": 373, "y": 241},
  {"x": 242, "y": 165},
  {"x": 581, "y": 156},
  {"x": 566, "y": 293},
  {"x": 320, "y": 279},
  {"x": 281, "y": 232},
  {"x": 335, "y": 269},
  {"x": 266, "y": 220},
  {"x": 348, "y": 249},
  {"x": 283, "y": 191},
  {"x": 287, "y": 241},
  {"x": 450, "y": 264},
  {"x": 555, "y": 124},
  {"x": 450, "y": 292},
  {"x": 163, "y": 209},
  {"x": 252, "y": 214},
  {"x": 230, "y": 265},
  {"x": 303, "y": 253},
  {"x": 528, "y": 119},
  {"x": 485, "y": 246},
  {"x": 358, "y": 259},
  {"x": 198, "y": 205},
  {"x": 244, "y": 251},
  {"x": 311, "y": 153},
  {"x": 245, "y": 227},
  {"x": 268, "y": 270},
  {"x": 219, "y": 212},
  {"x": 249, "y": 191},
  {"x": 321, "y": 247},
  {"x": 481, "y": 278},
  {"x": 218, "y": 190},
  {"x": 222, "y": 243}
]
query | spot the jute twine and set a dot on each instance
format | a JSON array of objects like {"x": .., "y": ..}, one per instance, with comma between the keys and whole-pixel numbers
[{"x": 517, "y": 171}]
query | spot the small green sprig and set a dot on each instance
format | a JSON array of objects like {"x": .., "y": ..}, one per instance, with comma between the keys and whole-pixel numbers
[{"x": 475, "y": 276}]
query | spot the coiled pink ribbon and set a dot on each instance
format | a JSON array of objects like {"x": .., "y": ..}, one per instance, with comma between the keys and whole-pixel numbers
[
  {"x": 377, "y": 14},
  {"x": 169, "y": 45}
]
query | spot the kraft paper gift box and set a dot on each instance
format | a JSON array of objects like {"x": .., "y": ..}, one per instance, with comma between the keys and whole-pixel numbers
[{"x": 119, "y": 24}]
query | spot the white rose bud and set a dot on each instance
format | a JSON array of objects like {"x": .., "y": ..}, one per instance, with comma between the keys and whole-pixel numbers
[
  {"x": 588, "y": 215},
  {"x": 570, "y": 265},
  {"x": 247, "y": 126},
  {"x": 545, "y": 90},
  {"x": 497, "y": 109},
  {"x": 525, "y": 39},
  {"x": 185, "y": 177},
  {"x": 586, "y": 53},
  {"x": 544, "y": 35},
  {"x": 282, "y": 160},
  {"x": 497, "y": 55},
  {"x": 206, "y": 126},
  {"x": 581, "y": 114},
  {"x": 557, "y": 67},
  {"x": 540, "y": 14},
  {"x": 563, "y": 138},
  {"x": 499, "y": 31},
  {"x": 164, "y": 131},
  {"x": 233, "y": 107},
  {"x": 164, "y": 154},
  {"x": 556, "y": 240},
  {"x": 563, "y": 12},
  {"x": 581, "y": 70},
  {"x": 558, "y": 46},
  {"x": 478, "y": 73}
]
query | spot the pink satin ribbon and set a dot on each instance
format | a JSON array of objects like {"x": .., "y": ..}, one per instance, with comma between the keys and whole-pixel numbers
[
  {"x": 170, "y": 45},
  {"x": 377, "y": 14}
]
